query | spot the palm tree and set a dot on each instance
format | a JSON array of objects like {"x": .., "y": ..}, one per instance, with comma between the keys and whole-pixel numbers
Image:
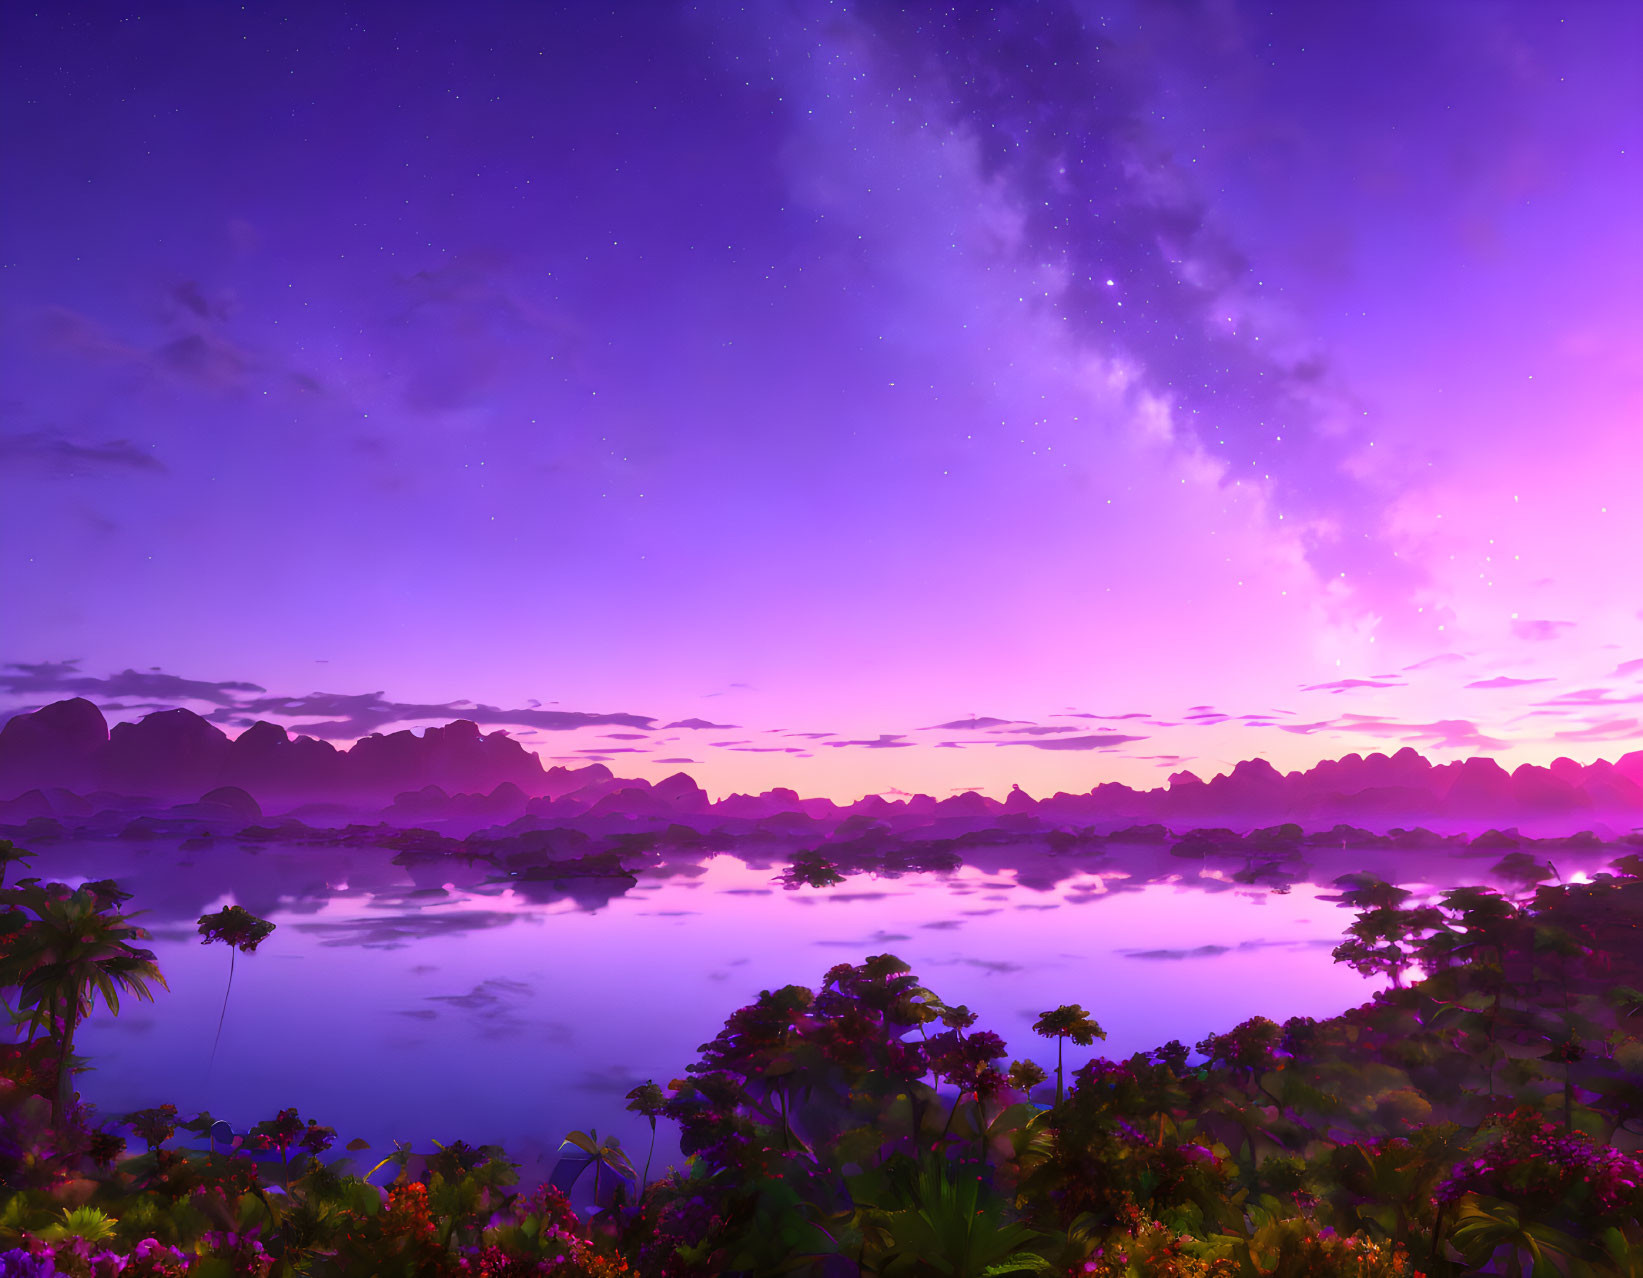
[
  {"x": 242, "y": 931},
  {"x": 1067, "y": 1021},
  {"x": 12, "y": 923},
  {"x": 10, "y": 854},
  {"x": 71, "y": 952}
]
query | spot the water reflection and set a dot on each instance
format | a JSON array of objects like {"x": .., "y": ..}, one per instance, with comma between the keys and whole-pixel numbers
[{"x": 414, "y": 996}]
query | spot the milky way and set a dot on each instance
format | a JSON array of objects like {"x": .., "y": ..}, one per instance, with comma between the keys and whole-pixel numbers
[{"x": 1243, "y": 380}]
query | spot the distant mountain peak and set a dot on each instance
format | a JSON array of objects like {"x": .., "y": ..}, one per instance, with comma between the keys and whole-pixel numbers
[{"x": 67, "y": 748}]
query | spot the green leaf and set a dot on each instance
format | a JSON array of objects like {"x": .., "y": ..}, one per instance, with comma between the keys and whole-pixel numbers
[
  {"x": 1020, "y": 1262},
  {"x": 582, "y": 1141}
]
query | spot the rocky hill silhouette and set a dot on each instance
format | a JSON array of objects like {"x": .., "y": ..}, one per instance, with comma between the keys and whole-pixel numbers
[{"x": 64, "y": 760}]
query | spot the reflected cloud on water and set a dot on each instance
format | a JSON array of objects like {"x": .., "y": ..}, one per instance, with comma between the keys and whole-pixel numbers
[{"x": 401, "y": 930}]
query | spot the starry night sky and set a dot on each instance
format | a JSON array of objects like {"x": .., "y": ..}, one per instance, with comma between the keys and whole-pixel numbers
[{"x": 919, "y": 397}]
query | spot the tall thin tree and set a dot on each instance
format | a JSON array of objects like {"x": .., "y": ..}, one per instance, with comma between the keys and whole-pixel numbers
[
  {"x": 647, "y": 1099},
  {"x": 242, "y": 931},
  {"x": 1067, "y": 1021}
]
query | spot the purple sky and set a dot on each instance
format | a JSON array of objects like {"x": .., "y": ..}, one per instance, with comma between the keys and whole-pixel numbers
[{"x": 1269, "y": 374}]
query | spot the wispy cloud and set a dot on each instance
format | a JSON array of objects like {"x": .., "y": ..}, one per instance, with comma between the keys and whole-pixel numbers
[
  {"x": 1540, "y": 631},
  {"x": 1611, "y": 730},
  {"x": 1093, "y": 741},
  {"x": 46, "y": 678},
  {"x": 1591, "y": 697},
  {"x": 1441, "y": 659},
  {"x": 331, "y": 715},
  {"x": 1347, "y": 685},
  {"x": 59, "y": 455},
  {"x": 1448, "y": 734},
  {"x": 343, "y": 715}
]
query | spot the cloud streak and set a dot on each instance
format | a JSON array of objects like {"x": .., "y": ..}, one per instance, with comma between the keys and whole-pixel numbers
[
  {"x": 61, "y": 456},
  {"x": 346, "y": 716},
  {"x": 331, "y": 715},
  {"x": 48, "y": 678}
]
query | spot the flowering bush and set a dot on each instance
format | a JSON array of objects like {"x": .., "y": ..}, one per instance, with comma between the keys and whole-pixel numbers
[
  {"x": 153, "y": 1126},
  {"x": 1552, "y": 1175},
  {"x": 243, "y": 1254},
  {"x": 77, "y": 1258},
  {"x": 152, "y": 1259}
]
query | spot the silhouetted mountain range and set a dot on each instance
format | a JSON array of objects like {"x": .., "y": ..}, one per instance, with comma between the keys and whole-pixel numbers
[{"x": 63, "y": 760}]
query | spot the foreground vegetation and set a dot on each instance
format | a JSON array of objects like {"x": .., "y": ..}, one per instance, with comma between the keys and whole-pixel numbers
[{"x": 1483, "y": 1120}]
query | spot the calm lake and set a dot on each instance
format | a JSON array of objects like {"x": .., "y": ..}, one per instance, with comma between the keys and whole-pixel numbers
[{"x": 427, "y": 1003}]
